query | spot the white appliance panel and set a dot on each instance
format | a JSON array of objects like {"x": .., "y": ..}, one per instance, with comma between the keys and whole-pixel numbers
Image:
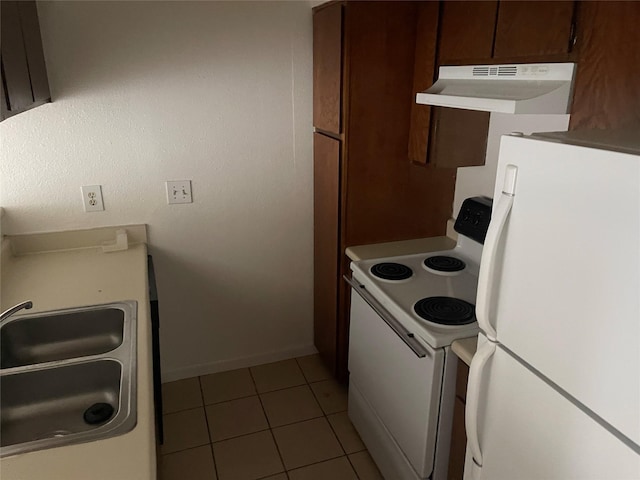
[
  {"x": 529, "y": 431},
  {"x": 399, "y": 297},
  {"x": 387, "y": 373},
  {"x": 388, "y": 456},
  {"x": 567, "y": 270}
]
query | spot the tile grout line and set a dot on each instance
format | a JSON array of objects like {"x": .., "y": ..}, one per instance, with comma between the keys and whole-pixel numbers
[
  {"x": 204, "y": 404},
  {"x": 326, "y": 415},
  {"x": 271, "y": 427},
  {"x": 183, "y": 410},
  {"x": 162, "y": 454},
  {"x": 302, "y": 370},
  {"x": 293, "y": 423},
  {"x": 240, "y": 436},
  {"x": 206, "y": 419},
  {"x": 353, "y": 466},
  {"x": 185, "y": 449},
  {"x": 318, "y": 463},
  {"x": 335, "y": 434},
  {"x": 284, "y": 467},
  {"x": 264, "y": 430}
]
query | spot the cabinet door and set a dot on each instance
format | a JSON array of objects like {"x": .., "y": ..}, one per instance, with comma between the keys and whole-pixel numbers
[
  {"x": 458, "y": 442},
  {"x": 423, "y": 76},
  {"x": 327, "y": 68},
  {"x": 458, "y": 432},
  {"x": 466, "y": 32},
  {"x": 326, "y": 254},
  {"x": 458, "y": 137},
  {"x": 606, "y": 91},
  {"x": 388, "y": 198},
  {"x": 24, "y": 75},
  {"x": 14, "y": 60},
  {"x": 533, "y": 29}
]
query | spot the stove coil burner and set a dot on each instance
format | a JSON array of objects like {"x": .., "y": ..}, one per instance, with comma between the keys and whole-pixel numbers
[
  {"x": 446, "y": 311},
  {"x": 391, "y": 271},
  {"x": 444, "y": 264}
]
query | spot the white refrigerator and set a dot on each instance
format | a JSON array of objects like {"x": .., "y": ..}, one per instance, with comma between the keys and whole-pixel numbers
[{"x": 554, "y": 388}]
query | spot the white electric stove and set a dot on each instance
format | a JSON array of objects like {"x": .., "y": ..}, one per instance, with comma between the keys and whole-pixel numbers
[
  {"x": 400, "y": 297},
  {"x": 405, "y": 312}
]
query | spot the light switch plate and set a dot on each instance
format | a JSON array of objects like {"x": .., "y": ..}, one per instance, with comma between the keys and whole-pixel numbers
[{"x": 179, "y": 191}]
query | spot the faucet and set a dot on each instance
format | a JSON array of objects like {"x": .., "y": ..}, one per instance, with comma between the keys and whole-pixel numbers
[{"x": 16, "y": 308}]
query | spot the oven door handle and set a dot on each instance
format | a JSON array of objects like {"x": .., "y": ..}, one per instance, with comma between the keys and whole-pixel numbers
[{"x": 405, "y": 335}]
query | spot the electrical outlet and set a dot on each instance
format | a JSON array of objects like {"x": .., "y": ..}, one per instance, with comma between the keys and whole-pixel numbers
[
  {"x": 92, "y": 198},
  {"x": 179, "y": 191}
]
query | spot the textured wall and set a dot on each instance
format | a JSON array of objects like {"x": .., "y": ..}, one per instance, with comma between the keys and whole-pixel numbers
[
  {"x": 475, "y": 181},
  {"x": 216, "y": 92}
]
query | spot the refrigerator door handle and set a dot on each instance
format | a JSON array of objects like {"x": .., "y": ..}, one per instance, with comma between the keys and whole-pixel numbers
[
  {"x": 480, "y": 359},
  {"x": 490, "y": 251}
]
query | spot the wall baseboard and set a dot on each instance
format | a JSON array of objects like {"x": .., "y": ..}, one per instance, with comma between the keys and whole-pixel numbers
[{"x": 170, "y": 375}]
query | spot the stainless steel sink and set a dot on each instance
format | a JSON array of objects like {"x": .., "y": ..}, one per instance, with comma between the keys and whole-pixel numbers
[
  {"x": 39, "y": 338},
  {"x": 69, "y": 377}
]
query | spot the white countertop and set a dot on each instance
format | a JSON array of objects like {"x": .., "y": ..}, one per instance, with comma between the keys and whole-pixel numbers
[
  {"x": 402, "y": 247},
  {"x": 465, "y": 348},
  {"x": 71, "y": 278}
]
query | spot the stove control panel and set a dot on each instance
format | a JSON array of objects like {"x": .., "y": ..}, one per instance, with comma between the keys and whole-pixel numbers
[{"x": 473, "y": 219}]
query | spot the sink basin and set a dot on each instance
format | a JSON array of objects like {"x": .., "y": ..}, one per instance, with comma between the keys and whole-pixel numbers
[
  {"x": 39, "y": 338},
  {"x": 47, "y": 407},
  {"x": 67, "y": 377}
]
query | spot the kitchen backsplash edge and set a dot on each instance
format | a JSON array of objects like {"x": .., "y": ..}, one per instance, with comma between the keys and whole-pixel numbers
[{"x": 72, "y": 239}]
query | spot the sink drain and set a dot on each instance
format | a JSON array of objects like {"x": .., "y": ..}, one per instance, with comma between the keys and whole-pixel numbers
[{"x": 98, "y": 413}]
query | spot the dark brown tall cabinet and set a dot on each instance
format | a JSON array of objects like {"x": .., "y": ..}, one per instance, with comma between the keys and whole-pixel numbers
[{"x": 366, "y": 190}]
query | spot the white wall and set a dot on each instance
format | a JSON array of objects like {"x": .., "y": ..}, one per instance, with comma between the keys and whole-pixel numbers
[
  {"x": 216, "y": 92},
  {"x": 479, "y": 181}
]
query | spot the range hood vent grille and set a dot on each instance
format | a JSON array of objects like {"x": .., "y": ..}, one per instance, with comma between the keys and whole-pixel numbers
[
  {"x": 521, "y": 88},
  {"x": 499, "y": 70}
]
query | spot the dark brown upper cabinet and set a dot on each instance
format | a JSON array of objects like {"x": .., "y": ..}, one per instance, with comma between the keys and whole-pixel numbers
[
  {"x": 458, "y": 137},
  {"x": 327, "y": 69},
  {"x": 476, "y": 33},
  {"x": 24, "y": 75},
  {"x": 444, "y": 137},
  {"x": 423, "y": 75},
  {"x": 606, "y": 91},
  {"x": 534, "y": 30},
  {"x": 508, "y": 31},
  {"x": 466, "y": 32}
]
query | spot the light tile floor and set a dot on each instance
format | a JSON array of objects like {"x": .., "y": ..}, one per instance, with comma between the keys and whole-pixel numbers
[{"x": 279, "y": 421}]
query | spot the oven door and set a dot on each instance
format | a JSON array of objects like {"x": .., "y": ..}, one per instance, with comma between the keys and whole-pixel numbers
[{"x": 398, "y": 376}]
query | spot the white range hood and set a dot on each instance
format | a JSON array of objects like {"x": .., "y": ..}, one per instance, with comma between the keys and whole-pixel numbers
[{"x": 524, "y": 88}]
